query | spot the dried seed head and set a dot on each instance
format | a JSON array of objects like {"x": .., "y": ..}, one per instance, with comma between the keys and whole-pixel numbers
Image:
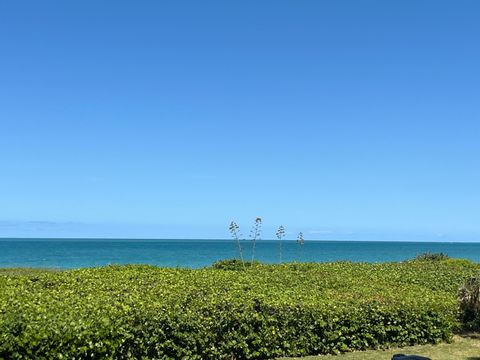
[
  {"x": 280, "y": 232},
  {"x": 233, "y": 227},
  {"x": 300, "y": 238}
]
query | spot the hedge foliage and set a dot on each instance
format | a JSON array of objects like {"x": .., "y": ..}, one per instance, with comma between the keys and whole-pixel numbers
[{"x": 265, "y": 311}]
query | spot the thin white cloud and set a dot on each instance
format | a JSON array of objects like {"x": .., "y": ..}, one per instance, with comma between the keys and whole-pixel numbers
[{"x": 324, "y": 232}]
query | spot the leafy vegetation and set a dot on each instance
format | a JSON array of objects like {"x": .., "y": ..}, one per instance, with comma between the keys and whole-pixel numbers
[
  {"x": 234, "y": 264},
  {"x": 262, "y": 311},
  {"x": 469, "y": 296},
  {"x": 427, "y": 256}
]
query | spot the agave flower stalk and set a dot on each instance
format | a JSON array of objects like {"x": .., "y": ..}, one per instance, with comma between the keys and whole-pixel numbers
[
  {"x": 301, "y": 242},
  {"x": 280, "y": 235},
  {"x": 255, "y": 235},
  {"x": 235, "y": 231}
]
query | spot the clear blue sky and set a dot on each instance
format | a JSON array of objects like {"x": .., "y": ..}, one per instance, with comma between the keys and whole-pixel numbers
[{"x": 344, "y": 119}]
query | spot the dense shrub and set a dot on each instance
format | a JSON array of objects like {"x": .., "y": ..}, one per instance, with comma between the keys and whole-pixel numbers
[
  {"x": 234, "y": 264},
  {"x": 469, "y": 298},
  {"x": 126, "y": 312},
  {"x": 427, "y": 256}
]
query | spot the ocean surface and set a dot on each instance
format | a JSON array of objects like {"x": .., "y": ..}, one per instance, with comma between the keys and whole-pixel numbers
[{"x": 77, "y": 253}]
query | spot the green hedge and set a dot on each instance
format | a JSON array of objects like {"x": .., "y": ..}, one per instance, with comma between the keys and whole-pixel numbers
[{"x": 266, "y": 311}]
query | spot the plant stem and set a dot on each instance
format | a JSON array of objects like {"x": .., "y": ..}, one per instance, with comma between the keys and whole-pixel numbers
[{"x": 256, "y": 234}]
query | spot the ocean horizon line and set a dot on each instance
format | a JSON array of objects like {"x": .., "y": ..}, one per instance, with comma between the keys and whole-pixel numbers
[{"x": 227, "y": 240}]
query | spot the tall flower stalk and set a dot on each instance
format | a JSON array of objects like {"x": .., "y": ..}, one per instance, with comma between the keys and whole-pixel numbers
[
  {"x": 280, "y": 235},
  {"x": 301, "y": 242},
  {"x": 255, "y": 235},
  {"x": 235, "y": 231}
]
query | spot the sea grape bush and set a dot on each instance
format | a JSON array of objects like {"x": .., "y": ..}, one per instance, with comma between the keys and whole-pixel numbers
[
  {"x": 427, "y": 256},
  {"x": 234, "y": 264},
  {"x": 261, "y": 312}
]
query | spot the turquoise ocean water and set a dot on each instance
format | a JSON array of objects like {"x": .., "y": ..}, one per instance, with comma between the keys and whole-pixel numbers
[{"x": 76, "y": 253}]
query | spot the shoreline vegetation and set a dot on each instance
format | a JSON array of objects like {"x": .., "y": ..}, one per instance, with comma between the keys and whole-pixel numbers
[{"x": 231, "y": 310}]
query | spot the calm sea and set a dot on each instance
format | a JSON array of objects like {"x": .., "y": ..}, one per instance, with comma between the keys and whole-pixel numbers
[{"x": 76, "y": 253}]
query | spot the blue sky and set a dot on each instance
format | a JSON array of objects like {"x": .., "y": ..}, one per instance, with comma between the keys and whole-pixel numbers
[{"x": 341, "y": 119}]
